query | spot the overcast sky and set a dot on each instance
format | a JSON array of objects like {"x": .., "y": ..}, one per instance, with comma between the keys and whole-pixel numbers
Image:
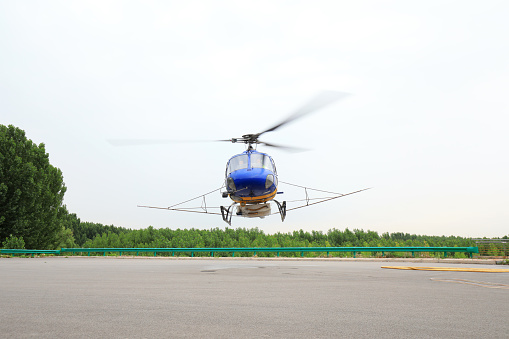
[{"x": 426, "y": 125}]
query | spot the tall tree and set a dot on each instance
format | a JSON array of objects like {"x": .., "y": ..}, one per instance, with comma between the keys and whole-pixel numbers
[{"x": 31, "y": 190}]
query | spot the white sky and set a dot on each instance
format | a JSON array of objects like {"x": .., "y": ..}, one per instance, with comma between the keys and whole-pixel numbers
[{"x": 426, "y": 126}]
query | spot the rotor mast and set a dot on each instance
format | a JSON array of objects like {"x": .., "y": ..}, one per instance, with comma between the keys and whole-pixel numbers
[{"x": 248, "y": 139}]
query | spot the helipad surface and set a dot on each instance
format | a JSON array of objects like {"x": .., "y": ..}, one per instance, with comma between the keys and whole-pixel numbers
[{"x": 145, "y": 298}]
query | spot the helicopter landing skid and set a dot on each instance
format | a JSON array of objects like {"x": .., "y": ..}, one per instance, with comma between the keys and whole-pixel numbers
[
  {"x": 282, "y": 209},
  {"x": 226, "y": 213}
]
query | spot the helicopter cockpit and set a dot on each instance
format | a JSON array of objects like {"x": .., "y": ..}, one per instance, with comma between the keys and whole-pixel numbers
[{"x": 249, "y": 161}]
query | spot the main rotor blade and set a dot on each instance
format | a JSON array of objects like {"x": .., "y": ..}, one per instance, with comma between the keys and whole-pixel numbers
[
  {"x": 285, "y": 148},
  {"x": 323, "y": 99},
  {"x": 141, "y": 142}
]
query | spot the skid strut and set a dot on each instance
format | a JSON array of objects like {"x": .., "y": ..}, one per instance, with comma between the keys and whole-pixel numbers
[
  {"x": 282, "y": 209},
  {"x": 226, "y": 213}
]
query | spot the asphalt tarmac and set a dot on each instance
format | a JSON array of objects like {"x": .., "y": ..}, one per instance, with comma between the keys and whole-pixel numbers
[{"x": 80, "y": 297}]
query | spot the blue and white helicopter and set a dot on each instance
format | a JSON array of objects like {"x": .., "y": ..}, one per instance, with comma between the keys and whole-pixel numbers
[{"x": 251, "y": 179}]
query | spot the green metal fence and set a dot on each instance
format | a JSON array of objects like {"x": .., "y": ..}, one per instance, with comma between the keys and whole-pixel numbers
[
  {"x": 255, "y": 250},
  {"x": 493, "y": 247}
]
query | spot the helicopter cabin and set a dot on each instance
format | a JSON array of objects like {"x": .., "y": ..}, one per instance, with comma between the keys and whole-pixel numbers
[{"x": 251, "y": 178}]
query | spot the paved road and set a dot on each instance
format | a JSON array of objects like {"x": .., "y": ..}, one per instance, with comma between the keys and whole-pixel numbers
[{"x": 147, "y": 298}]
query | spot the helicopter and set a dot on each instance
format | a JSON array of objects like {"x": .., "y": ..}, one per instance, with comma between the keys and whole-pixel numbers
[{"x": 251, "y": 179}]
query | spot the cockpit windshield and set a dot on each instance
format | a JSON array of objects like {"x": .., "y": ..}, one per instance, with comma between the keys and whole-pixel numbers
[
  {"x": 260, "y": 160},
  {"x": 253, "y": 160},
  {"x": 237, "y": 163}
]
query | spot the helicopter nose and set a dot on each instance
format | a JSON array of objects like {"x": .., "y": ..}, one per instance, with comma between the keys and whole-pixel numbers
[
  {"x": 250, "y": 183},
  {"x": 254, "y": 183}
]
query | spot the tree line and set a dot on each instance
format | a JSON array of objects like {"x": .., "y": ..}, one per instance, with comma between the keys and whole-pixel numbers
[{"x": 119, "y": 237}]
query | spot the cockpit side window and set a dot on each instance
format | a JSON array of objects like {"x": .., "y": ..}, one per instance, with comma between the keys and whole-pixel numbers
[
  {"x": 237, "y": 163},
  {"x": 273, "y": 166}
]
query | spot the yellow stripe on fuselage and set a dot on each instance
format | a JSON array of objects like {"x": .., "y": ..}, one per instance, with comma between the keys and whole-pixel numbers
[{"x": 254, "y": 200}]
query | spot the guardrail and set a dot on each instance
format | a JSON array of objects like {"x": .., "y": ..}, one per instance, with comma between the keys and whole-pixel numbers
[{"x": 468, "y": 250}]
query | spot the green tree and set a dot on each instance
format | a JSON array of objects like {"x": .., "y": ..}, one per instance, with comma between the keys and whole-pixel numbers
[
  {"x": 64, "y": 239},
  {"x": 31, "y": 190},
  {"x": 12, "y": 242}
]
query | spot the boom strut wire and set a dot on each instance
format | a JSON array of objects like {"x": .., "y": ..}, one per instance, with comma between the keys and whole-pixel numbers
[{"x": 227, "y": 212}]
